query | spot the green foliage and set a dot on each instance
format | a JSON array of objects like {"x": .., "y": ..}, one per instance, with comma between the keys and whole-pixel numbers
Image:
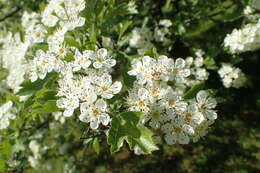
[
  {"x": 96, "y": 145},
  {"x": 191, "y": 93},
  {"x": 126, "y": 127},
  {"x": 29, "y": 87}
]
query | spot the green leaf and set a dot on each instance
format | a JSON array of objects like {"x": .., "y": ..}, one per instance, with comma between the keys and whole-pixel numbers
[
  {"x": 46, "y": 94},
  {"x": 168, "y": 7},
  {"x": 125, "y": 126},
  {"x": 29, "y": 87},
  {"x": 3, "y": 73},
  {"x": 145, "y": 141},
  {"x": 123, "y": 27},
  {"x": 191, "y": 93},
  {"x": 2, "y": 165},
  {"x": 210, "y": 63},
  {"x": 72, "y": 42},
  {"x": 41, "y": 46},
  {"x": 5, "y": 148},
  {"x": 93, "y": 33},
  {"x": 47, "y": 107},
  {"x": 96, "y": 145}
]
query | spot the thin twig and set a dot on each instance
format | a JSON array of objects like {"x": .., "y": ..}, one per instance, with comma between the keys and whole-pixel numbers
[{"x": 10, "y": 14}]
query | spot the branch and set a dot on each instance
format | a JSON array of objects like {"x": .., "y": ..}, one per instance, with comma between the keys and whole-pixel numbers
[
  {"x": 39, "y": 126},
  {"x": 10, "y": 14}
]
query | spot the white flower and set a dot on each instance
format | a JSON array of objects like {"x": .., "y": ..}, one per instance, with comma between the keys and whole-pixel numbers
[
  {"x": 165, "y": 22},
  {"x": 140, "y": 37},
  {"x": 80, "y": 61},
  {"x": 155, "y": 116},
  {"x": 245, "y": 39},
  {"x": 35, "y": 148},
  {"x": 141, "y": 68},
  {"x": 176, "y": 133},
  {"x": 248, "y": 10},
  {"x": 231, "y": 76},
  {"x": 173, "y": 103},
  {"x": 7, "y": 113},
  {"x": 198, "y": 73},
  {"x": 96, "y": 114},
  {"x": 107, "y": 42},
  {"x": 88, "y": 96},
  {"x": 69, "y": 103},
  {"x": 102, "y": 59},
  {"x": 206, "y": 104},
  {"x": 37, "y": 36},
  {"x": 57, "y": 38},
  {"x": 201, "y": 130},
  {"x": 139, "y": 101},
  {"x": 105, "y": 87},
  {"x": 58, "y": 116},
  {"x": 73, "y": 22},
  {"x": 192, "y": 115},
  {"x": 156, "y": 90},
  {"x": 33, "y": 161},
  {"x": 177, "y": 69},
  {"x": 199, "y": 53},
  {"x": 49, "y": 19},
  {"x": 75, "y": 5},
  {"x": 159, "y": 68},
  {"x": 42, "y": 64},
  {"x": 59, "y": 49},
  {"x": 12, "y": 57},
  {"x": 201, "y": 74}
]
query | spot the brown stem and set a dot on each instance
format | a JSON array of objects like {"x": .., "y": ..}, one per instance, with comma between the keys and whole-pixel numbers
[{"x": 10, "y": 14}]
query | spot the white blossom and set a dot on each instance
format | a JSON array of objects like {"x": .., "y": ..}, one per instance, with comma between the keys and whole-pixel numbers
[
  {"x": 243, "y": 40},
  {"x": 7, "y": 113},
  {"x": 96, "y": 114},
  {"x": 105, "y": 87},
  {"x": 231, "y": 76}
]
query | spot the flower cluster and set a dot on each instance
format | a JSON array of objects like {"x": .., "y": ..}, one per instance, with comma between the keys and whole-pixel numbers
[
  {"x": 141, "y": 37},
  {"x": 163, "y": 105},
  {"x": 245, "y": 39},
  {"x": 90, "y": 89},
  {"x": 7, "y": 113},
  {"x": 35, "y": 149},
  {"x": 14, "y": 51},
  {"x": 64, "y": 14},
  {"x": 197, "y": 69},
  {"x": 162, "y": 30},
  {"x": 12, "y": 56},
  {"x": 85, "y": 81},
  {"x": 231, "y": 76}
]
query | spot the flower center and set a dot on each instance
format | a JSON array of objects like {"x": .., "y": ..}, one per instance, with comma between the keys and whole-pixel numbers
[
  {"x": 37, "y": 34},
  {"x": 104, "y": 88},
  {"x": 171, "y": 102},
  {"x": 95, "y": 112},
  {"x": 155, "y": 92},
  {"x": 157, "y": 74},
  {"x": 155, "y": 115},
  {"x": 175, "y": 71},
  {"x": 62, "y": 51},
  {"x": 100, "y": 59},
  {"x": 177, "y": 130},
  {"x": 202, "y": 107},
  {"x": 188, "y": 117},
  {"x": 142, "y": 103},
  {"x": 77, "y": 4}
]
